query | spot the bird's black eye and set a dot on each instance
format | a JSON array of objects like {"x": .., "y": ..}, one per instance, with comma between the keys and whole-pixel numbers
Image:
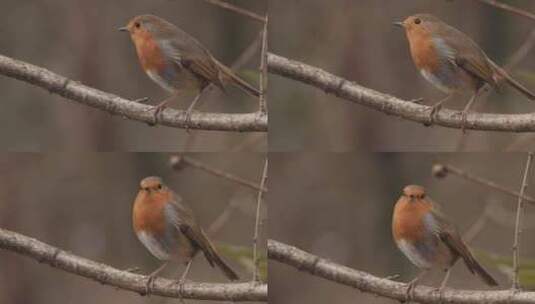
[
  {"x": 159, "y": 186},
  {"x": 137, "y": 25},
  {"x": 417, "y": 21},
  {"x": 422, "y": 196}
]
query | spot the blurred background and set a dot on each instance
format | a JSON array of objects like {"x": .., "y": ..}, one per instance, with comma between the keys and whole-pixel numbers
[
  {"x": 357, "y": 41},
  {"x": 79, "y": 40},
  {"x": 82, "y": 203},
  {"x": 339, "y": 207}
]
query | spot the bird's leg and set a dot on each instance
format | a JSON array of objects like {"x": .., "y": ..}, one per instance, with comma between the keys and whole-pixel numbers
[
  {"x": 160, "y": 107},
  {"x": 182, "y": 280},
  {"x": 412, "y": 284},
  {"x": 436, "y": 108},
  {"x": 191, "y": 107},
  {"x": 466, "y": 110},
  {"x": 443, "y": 284},
  {"x": 152, "y": 277}
]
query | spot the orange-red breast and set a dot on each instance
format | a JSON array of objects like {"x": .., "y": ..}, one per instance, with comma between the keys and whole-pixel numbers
[
  {"x": 177, "y": 61},
  {"x": 451, "y": 61},
  {"x": 428, "y": 239},
  {"x": 169, "y": 229}
]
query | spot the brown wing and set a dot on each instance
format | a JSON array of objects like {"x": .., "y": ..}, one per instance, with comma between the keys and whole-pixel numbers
[
  {"x": 453, "y": 240},
  {"x": 182, "y": 217},
  {"x": 467, "y": 54},
  {"x": 190, "y": 54}
]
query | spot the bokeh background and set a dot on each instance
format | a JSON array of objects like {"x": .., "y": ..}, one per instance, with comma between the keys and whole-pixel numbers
[
  {"x": 339, "y": 206},
  {"x": 356, "y": 40},
  {"x": 79, "y": 40},
  {"x": 82, "y": 203}
]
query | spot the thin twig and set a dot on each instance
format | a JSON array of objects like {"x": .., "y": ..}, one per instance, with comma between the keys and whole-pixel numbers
[
  {"x": 477, "y": 226},
  {"x": 60, "y": 259},
  {"x": 366, "y": 282},
  {"x": 177, "y": 160},
  {"x": 518, "y": 223},
  {"x": 442, "y": 170},
  {"x": 248, "y": 52},
  {"x": 509, "y": 8},
  {"x": 256, "y": 256},
  {"x": 223, "y": 218},
  {"x": 263, "y": 70},
  {"x": 237, "y": 9},
  {"x": 113, "y": 104},
  {"x": 392, "y": 105}
]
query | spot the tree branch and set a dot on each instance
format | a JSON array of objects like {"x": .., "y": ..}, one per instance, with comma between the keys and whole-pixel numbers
[
  {"x": 176, "y": 162},
  {"x": 237, "y": 9},
  {"x": 259, "y": 199},
  {"x": 366, "y": 282},
  {"x": 509, "y": 8},
  {"x": 518, "y": 223},
  {"x": 392, "y": 105},
  {"x": 263, "y": 69},
  {"x": 108, "y": 275},
  {"x": 442, "y": 170},
  {"x": 113, "y": 104}
]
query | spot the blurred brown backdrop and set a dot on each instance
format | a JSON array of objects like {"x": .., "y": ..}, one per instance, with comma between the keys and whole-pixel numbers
[
  {"x": 356, "y": 40},
  {"x": 339, "y": 206},
  {"x": 82, "y": 203},
  {"x": 79, "y": 39}
]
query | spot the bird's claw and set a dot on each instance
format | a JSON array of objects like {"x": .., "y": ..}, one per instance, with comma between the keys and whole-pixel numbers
[
  {"x": 434, "y": 113},
  {"x": 150, "y": 285},
  {"x": 464, "y": 115},
  {"x": 157, "y": 111}
]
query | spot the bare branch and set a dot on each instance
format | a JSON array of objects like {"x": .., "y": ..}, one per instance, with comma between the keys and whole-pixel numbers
[
  {"x": 256, "y": 257},
  {"x": 442, "y": 170},
  {"x": 113, "y": 104},
  {"x": 477, "y": 226},
  {"x": 263, "y": 70},
  {"x": 223, "y": 218},
  {"x": 177, "y": 160},
  {"x": 108, "y": 275},
  {"x": 237, "y": 9},
  {"x": 394, "y": 106},
  {"x": 509, "y": 8},
  {"x": 366, "y": 282},
  {"x": 518, "y": 223}
]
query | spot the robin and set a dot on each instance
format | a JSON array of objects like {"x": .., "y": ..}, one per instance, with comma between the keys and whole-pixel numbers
[
  {"x": 169, "y": 229},
  {"x": 176, "y": 61},
  {"x": 428, "y": 239},
  {"x": 451, "y": 61}
]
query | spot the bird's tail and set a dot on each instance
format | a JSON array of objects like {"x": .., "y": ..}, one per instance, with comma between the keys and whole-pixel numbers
[
  {"x": 476, "y": 268},
  {"x": 236, "y": 80},
  {"x": 512, "y": 82},
  {"x": 215, "y": 260}
]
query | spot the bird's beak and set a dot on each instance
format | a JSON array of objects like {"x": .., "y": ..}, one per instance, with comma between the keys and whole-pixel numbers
[
  {"x": 400, "y": 24},
  {"x": 123, "y": 29}
]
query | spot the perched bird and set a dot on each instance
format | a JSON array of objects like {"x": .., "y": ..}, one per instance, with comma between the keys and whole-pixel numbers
[
  {"x": 176, "y": 61},
  {"x": 451, "y": 61},
  {"x": 169, "y": 230},
  {"x": 428, "y": 239}
]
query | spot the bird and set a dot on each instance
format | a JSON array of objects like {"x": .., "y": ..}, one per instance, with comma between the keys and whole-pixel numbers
[
  {"x": 169, "y": 230},
  {"x": 177, "y": 61},
  {"x": 452, "y": 61},
  {"x": 428, "y": 239}
]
